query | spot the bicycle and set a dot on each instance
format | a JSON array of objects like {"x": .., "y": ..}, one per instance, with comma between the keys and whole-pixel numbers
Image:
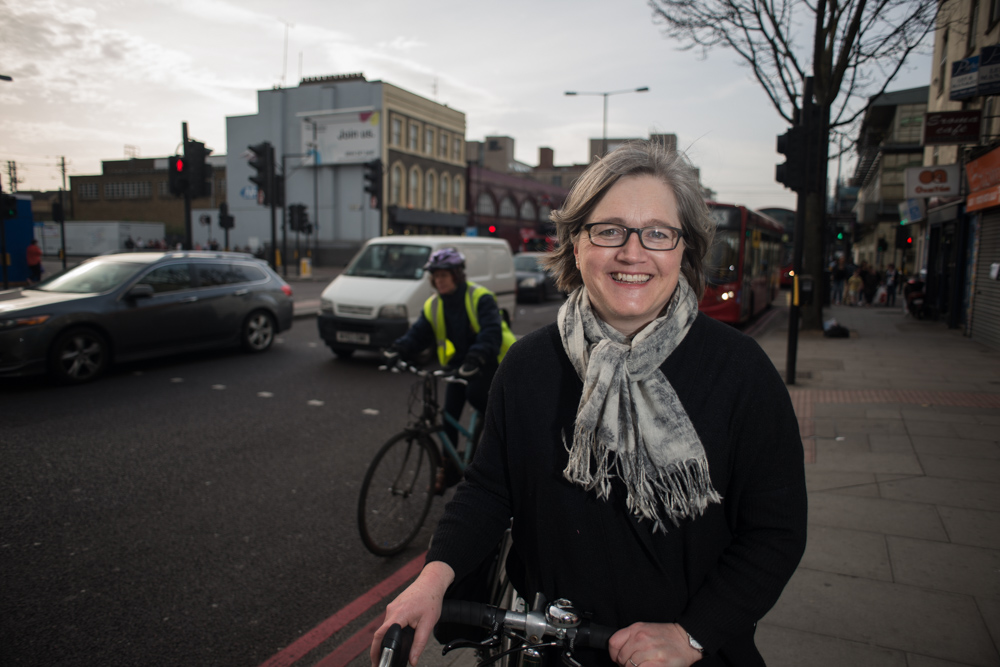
[
  {"x": 532, "y": 636},
  {"x": 399, "y": 486}
]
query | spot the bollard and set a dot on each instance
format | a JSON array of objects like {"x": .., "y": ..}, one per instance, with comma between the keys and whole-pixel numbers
[{"x": 306, "y": 267}]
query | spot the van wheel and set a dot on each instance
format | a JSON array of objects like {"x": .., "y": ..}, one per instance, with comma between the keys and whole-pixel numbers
[{"x": 342, "y": 352}]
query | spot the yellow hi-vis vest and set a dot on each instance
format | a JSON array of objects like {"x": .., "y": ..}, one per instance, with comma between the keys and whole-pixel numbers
[{"x": 434, "y": 312}]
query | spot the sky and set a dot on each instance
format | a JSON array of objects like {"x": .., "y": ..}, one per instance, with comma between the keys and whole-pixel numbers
[{"x": 101, "y": 80}]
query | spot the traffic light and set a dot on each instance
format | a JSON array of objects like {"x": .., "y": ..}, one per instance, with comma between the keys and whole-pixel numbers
[
  {"x": 58, "y": 214},
  {"x": 8, "y": 206},
  {"x": 904, "y": 239},
  {"x": 199, "y": 173},
  {"x": 176, "y": 176},
  {"x": 225, "y": 220},
  {"x": 793, "y": 172},
  {"x": 262, "y": 161},
  {"x": 279, "y": 191},
  {"x": 297, "y": 217},
  {"x": 373, "y": 182}
]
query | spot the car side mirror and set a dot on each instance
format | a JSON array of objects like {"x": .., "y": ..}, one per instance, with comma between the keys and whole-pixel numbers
[{"x": 140, "y": 291}]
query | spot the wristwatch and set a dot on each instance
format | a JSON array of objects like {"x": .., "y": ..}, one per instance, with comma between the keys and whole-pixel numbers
[{"x": 694, "y": 644}]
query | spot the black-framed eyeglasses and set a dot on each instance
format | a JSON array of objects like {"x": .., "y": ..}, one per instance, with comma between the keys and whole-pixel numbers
[{"x": 613, "y": 235}]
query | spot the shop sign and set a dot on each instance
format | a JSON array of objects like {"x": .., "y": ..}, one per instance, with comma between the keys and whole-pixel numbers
[
  {"x": 964, "y": 77},
  {"x": 989, "y": 70},
  {"x": 911, "y": 210},
  {"x": 984, "y": 171},
  {"x": 952, "y": 128},
  {"x": 940, "y": 180},
  {"x": 987, "y": 198}
]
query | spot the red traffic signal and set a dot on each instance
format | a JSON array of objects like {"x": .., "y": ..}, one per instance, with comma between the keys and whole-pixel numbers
[
  {"x": 176, "y": 177},
  {"x": 909, "y": 240},
  {"x": 492, "y": 229}
]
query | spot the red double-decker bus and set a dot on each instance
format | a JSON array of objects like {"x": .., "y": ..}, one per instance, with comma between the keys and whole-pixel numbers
[{"x": 743, "y": 266}]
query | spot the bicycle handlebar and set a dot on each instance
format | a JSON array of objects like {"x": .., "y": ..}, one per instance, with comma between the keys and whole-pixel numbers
[
  {"x": 400, "y": 365},
  {"x": 480, "y": 615},
  {"x": 396, "y": 646}
]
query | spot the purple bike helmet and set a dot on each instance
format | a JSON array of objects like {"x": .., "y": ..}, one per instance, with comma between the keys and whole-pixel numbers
[{"x": 448, "y": 259}]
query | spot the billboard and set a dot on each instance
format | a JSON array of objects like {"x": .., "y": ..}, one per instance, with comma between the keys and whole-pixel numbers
[
  {"x": 341, "y": 137},
  {"x": 964, "y": 78},
  {"x": 940, "y": 180},
  {"x": 952, "y": 128}
]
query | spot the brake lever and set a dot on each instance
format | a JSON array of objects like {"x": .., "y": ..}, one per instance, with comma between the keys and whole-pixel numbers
[{"x": 569, "y": 660}]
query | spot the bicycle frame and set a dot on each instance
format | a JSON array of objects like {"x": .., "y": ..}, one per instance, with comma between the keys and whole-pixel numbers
[{"x": 433, "y": 418}]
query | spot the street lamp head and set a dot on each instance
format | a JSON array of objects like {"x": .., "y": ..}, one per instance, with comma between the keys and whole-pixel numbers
[
  {"x": 570, "y": 92},
  {"x": 644, "y": 89}
]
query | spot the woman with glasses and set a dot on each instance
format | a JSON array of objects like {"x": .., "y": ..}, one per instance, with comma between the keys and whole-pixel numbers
[{"x": 649, "y": 456}]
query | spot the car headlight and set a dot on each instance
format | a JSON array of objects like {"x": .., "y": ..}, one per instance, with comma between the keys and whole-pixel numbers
[
  {"x": 17, "y": 322},
  {"x": 528, "y": 283},
  {"x": 393, "y": 312},
  {"x": 326, "y": 306}
]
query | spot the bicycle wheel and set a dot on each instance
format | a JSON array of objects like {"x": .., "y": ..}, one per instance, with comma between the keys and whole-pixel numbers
[{"x": 397, "y": 493}]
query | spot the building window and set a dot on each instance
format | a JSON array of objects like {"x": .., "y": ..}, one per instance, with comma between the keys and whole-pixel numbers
[
  {"x": 528, "y": 210},
  {"x": 557, "y": 180},
  {"x": 396, "y": 185},
  {"x": 543, "y": 213},
  {"x": 443, "y": 144},
  {"x": 397, "y": 132},
  {"x": 127, "y": 190},
  {"x": 507, "y": 208},
  {"x": 90, "y": 191},
  {"x": 414, "y": 137},
  {"x": 443, "y": 202},
  {"x": 413, "y": 200},
  {"x": 485, "y": 205},
  {"x": 943, "y": 62},
  {"x": 429, "y": 141},
  {"x": 994, "y": 12},
  {"x": 458, "y": 150},
  {"x": 457, "y": 191},
  {"x": 973, "y": 24},
  {"x": 429, "y": 190}
]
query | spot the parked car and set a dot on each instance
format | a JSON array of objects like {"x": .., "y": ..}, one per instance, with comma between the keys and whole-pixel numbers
[
  {"x": 534, "y": 283},
  {"x": 383, "y": 289},
  {"x": 127, "y": 306}
]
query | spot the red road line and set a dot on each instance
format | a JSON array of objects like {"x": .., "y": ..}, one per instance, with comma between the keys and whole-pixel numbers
[
  {"x": 307, "y": 642},
  {"x": 354, "y": 646}
]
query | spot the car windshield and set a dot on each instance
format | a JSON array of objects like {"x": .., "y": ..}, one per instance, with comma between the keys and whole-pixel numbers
[
  {"x": 387, "y": 260},
  {"x": 91, "y": 277},
  {"x": 526, "y": 263}
]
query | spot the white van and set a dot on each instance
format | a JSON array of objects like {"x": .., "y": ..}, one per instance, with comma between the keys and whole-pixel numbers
[{"x": 383, "y": 289}]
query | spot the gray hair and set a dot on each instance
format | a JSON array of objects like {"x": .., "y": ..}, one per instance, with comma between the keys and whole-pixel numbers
[{"x": 633, "y": 159}]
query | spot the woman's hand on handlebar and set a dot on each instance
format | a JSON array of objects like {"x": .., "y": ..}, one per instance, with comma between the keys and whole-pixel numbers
[
  {"x": 652, "y": 645},
  {"x": 419, "y": 606}
]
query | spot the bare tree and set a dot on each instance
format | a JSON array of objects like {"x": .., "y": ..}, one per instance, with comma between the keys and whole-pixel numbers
[{"x": 852, "y": 51}]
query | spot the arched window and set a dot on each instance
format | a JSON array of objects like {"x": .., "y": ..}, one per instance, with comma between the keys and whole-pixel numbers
[
  {"x": 543, "y": 213},
  {"x": 507, "y": 208},
  {"x": 444, "y": 202},
  {"x": 396, "y": 185},
  {"x": 458, "y": 193},
  {"x": 528, "y": 210},
  {"x": 413, "y": 192},
  {"x": 485, "y": 205},
  {"x": 430, "y": 189}
]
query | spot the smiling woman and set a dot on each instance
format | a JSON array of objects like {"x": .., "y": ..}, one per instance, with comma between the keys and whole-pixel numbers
[{"x": 633, "y": 421}]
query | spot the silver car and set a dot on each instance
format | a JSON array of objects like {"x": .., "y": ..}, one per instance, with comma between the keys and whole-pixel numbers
[
  {"x": 131, "y": 306},
  {"x": 534, "y": 283}
]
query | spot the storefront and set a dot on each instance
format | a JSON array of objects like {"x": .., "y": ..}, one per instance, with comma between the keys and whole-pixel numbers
[{"x": 983, "y": 321}]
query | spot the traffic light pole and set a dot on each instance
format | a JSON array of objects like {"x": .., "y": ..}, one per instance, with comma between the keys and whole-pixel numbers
[
  {"x": 187, "y": 196},
  {"x": 800, "y": 232}
]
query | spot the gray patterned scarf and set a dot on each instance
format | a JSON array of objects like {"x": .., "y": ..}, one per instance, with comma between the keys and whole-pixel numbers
[{"x": 630, "y": 421}]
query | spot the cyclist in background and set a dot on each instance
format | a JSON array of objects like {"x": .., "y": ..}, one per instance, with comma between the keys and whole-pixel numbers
[{"x": 464, "y": 324}]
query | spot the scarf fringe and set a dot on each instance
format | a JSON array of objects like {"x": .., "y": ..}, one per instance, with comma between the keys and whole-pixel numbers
[{"x": 681, "y": 491}]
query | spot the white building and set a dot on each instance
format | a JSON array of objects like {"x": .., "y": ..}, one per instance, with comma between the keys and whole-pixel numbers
[{"x": 323, "y": 133}]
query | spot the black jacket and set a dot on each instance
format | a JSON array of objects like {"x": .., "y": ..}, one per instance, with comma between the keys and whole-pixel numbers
[{"x": 716, "y": 575}]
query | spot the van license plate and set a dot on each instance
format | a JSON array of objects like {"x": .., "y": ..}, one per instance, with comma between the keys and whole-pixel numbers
[{"x": 353, "y": 337}]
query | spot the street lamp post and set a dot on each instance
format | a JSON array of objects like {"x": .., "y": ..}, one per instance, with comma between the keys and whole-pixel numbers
[{"x": 604, "y": 136}]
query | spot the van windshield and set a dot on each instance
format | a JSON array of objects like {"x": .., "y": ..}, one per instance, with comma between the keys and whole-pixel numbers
[{"x": 388, "y": 260}]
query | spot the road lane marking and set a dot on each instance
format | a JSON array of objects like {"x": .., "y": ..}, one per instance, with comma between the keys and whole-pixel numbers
[
  {"x": 353, "y": 647},
  {"x": 309, "y": 641}
]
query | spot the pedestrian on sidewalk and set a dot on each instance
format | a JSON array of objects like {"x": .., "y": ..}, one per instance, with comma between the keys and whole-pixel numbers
[
  {"x": 855, "y": 284},
  {"x": 839, "y": 275},
  {"x": 33, "y": 256},
  {"x": 891, "y": 285}
]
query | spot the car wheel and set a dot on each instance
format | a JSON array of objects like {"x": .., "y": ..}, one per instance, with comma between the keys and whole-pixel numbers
[
  {"x": 342, "y": 352},
  {"x": 258, "y": 331},
  {"x": 79, "y": 355}
]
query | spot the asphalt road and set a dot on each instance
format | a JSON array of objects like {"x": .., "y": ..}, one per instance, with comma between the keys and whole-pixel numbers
[{"x": 197, "y": 510}]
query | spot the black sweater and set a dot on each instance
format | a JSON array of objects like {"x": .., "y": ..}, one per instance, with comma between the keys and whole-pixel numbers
[{"x": 716, "y": 575}]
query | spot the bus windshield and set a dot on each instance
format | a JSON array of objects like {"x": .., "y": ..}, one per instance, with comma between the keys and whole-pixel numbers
[
  {"x": 723, "y": 257},
  {"x": 401, "y": 261}
]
